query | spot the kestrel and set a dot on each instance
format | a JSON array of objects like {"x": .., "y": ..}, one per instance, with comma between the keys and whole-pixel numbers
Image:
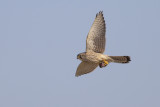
[{"x": 95, "y": 47}]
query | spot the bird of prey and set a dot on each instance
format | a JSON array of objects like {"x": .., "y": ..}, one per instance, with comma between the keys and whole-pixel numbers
[{"x": 95, "y": 47}]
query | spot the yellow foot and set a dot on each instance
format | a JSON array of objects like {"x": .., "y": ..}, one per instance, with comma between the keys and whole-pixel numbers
[{"x": 103, "y": 63}]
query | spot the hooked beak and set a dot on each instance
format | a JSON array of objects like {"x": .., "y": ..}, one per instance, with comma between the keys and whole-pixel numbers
[{"x": 77, "y": 56}]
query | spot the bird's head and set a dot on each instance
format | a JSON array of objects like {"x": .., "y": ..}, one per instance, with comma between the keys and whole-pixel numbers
[{"x": 81, "y": 56}]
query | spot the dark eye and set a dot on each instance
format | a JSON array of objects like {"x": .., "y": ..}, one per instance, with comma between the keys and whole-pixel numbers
[{"x": 79, "y": 56}]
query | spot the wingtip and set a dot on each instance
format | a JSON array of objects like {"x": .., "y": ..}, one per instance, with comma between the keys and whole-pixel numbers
[
  {"x": 76, "y": 75},
  {"x": 99, "y": 13}
]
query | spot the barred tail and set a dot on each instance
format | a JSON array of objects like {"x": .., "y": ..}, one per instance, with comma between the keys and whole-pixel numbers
[{"x": 120, "y": 59}]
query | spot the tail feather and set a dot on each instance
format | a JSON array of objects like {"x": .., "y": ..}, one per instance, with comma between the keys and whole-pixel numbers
[{"x": 120, "y": 59}]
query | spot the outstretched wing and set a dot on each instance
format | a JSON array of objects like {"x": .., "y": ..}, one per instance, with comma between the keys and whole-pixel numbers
[
  {"x": 85, "y": 67},
  {"x": 96, "y": 36}
]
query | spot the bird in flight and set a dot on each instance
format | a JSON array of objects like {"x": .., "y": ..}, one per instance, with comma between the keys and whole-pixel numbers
[{"x": 95, "y": 47}]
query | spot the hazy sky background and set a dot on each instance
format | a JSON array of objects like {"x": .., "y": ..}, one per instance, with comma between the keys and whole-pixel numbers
[{"x": 39, "y": 42}]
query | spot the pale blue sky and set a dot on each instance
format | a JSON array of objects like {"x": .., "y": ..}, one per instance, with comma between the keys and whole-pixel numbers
[{"x": 39, "y": 42}]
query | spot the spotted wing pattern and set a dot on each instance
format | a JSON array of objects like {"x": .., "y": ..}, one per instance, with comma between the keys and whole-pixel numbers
[
  {"x": 96, "y": 36},
  {"x": 85, "y": 67}
]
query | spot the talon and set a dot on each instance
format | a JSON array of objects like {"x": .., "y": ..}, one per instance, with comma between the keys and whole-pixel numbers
[{"x": 103, "y": 63}]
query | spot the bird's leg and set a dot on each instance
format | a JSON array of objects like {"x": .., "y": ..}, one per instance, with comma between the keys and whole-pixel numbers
[{"x": 103, "y": 63}]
